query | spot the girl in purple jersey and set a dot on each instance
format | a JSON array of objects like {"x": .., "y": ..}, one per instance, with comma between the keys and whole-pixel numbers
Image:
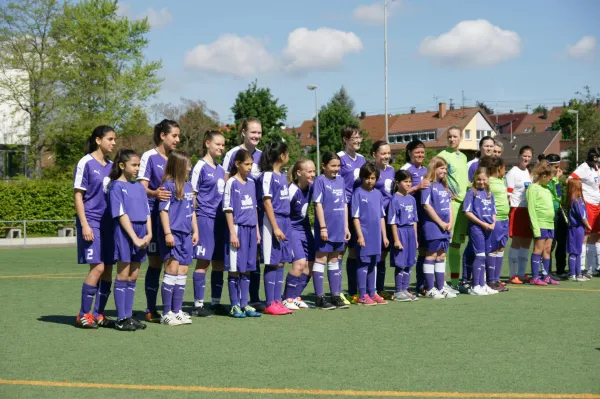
[
  {"x": 381, "y": 153},
  {"x": 402, "y": 218},
  {"x": 480, "y": 209},
  {"x": 302, "y": 239},
  {"x": 208, "y": 182},
  {"x": 239, "y": 205},
  {"x": 276, "y": 227},
  {"x": 132, "y": 233},
  {"x": 250, "y": 136},
  {"x": 152, "y": 169},
  {"x": 415, "y": 155},
  {"x": 368, "y": 219},
  {"x": 578, "y": 223},
  {"x": 331, "y": 225},
  {"x": 437, "y": 228},
  {"x": 178, "y": 235},
  {"x": 94, "y": 243}
]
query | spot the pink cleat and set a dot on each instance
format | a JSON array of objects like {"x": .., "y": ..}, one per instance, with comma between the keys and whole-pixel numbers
[
  {"x": 366, "y": 301},
  {"x": 548, "y": 280},
  {"x": 537, "y": 281},
  {"x": 379, "y": 300}
]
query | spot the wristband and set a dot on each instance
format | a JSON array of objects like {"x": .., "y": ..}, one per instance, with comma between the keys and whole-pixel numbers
[
  {"x": 166, "y": 234},
  {"x": 323, "y": 228}
]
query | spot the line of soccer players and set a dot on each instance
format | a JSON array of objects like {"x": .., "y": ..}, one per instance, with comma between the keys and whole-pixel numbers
[{"x": 244, "y": 212}]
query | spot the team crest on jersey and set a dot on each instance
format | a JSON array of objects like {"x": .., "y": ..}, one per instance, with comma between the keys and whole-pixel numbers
[
  {"x": 105, "y": 183},
  {"x": 388, "y": 185},
  {"x": 304, "y": 210},
  {"x": 283, "y": 194},
  {"x": 255, "y": 170},
  {"x": 247, "y": 202},
  {"x": 356, "y": 173},
  {"x": 221, "y": 186}
]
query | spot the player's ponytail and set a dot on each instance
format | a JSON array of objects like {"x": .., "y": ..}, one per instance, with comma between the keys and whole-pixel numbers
[
  {"x": 122, "y": 157},
  {"x": 272, "y": 154}
]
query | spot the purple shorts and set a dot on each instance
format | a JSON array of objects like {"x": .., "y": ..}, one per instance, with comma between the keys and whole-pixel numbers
[
  {"x": 125, "y": 251},
  {"x": 406, "y": 257},
  {"x": 153, "y": 247},
  {"x": 480, "y": 239},
  {"x": 368, "y": 259},
  {"x": 575, "y": 239},
  {"x": 328, "y": 246},
  {"x": 303, "y": 244},
  {"x": 545, "y": 234},
  {"x": 101, "y": 249},
  {"x": 211, "y": 240},
  {"x": 500, "y": 235},
  {"x": 242, "y": 259},
  {"x": 438, "y": 245},
  {"x": 181, "y": 252},
  {"x": 353, "y": 236},
  {"x": 275, "y": 252}
]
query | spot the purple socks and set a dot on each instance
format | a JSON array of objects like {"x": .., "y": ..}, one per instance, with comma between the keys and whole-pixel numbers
[
  {"x": 179, "y": 293},
  {"x": 87, "y": 298},
  {"x": 120, "y": 298},
  {"x": 270, "y": 277},
  {"x": 244, "y": 287},
  {"x": 318, "y": 277},
  {"x": 199, "y": 285},
  {"x": 102, "y": 296},
  {"x": 292, "y": 286},
  {"x": 402, "y": 278},
  {"x": 490, "y": 268},
  {"x": 303, "y": 279},
  {"x": 216, "y": 285},
  {"x": 428, "y": 274},
  {"x": 151, "y": 287},
  {"x": 536, "y": 261},
  {"x": 372, "y": 279},
  {"x": 361, "y": 278},
  {"x": 279, "y": 273},
  {"x": 478, "y": 271},
  {"x": 129, "y": 297},
  {"x": 167, "y": 291},
  {"x": 333, "y": 276},
  {"x": 574, "y": 264},
  {"x": 547, "y": 265},
  {"x": 233, "y": 282}
]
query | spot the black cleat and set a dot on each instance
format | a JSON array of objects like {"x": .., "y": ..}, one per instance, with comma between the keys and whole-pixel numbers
[
  {"x": 105, "y": 321},
  {"x": 219, "y": 310},
  {"x": 138, "y": 324},
  {"x": 202, "y": 311},
  {"x": 322, "y": 303},
  {"x": 258, "y": 306},
  {"x": 125, "y": 325},
  {"x": 338, "y": 302}
]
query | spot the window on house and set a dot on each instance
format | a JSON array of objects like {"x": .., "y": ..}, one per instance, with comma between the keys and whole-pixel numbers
[
  {"x": 392, "y": 139},
  {"x": 431, "y": 136},
  {"x": 480, "y": 134},
  {"x": 299, "y": 135},
  {"x": 423, "y": 137},
  {"x": 467, "y": 134}
]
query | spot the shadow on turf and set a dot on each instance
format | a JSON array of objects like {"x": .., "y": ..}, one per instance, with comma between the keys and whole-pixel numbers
[{"x": 59, "y": 319}]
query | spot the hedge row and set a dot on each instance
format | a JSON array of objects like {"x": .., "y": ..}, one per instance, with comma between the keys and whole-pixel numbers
[{"x": 37, "y": 200}]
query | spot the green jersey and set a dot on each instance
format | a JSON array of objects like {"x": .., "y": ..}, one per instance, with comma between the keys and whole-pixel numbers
[
  {"x": 553, "y": 186},
  {"x": 540, "y": 208},
  {"x": 498, "y": 188},
  {"x": 458, "y": 173}
]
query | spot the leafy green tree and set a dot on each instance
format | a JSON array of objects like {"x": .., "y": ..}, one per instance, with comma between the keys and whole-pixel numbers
[
  {"x": 589, "y": 123},
  {"x": 400, "y": 159},
  {"x": 333, "y": 117},
  {"x": 539, "y": 109},
  {"x": 484, "y": 107},
  {"x": 28, "y": 64}
]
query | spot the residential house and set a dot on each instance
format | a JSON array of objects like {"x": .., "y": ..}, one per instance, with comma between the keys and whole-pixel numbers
[
  {"x": 542, "y": 143},
  {"x": 507, "y": 123},
  {"x": 540, "y": 122}
]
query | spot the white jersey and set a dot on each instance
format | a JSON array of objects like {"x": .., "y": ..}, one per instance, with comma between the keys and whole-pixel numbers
[
  {"x": 590, "y": 181},
  {"x": 517, "y": 181}
]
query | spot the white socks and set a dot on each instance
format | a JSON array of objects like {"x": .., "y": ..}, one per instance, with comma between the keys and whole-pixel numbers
[{"x": 513, "y": 261}]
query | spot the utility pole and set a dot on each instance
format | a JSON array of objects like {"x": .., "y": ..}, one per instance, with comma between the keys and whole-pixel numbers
[{"x": 385, "y": 68}]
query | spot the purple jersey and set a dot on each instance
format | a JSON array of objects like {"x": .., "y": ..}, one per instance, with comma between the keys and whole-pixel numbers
[
  {"x": 385, "y": 184},
  {"x": 439, "y": 199},
  {"x": 330, "y": 193},
  {"x": 209, "y": 185},
  {"x": 418, "y": 175},
  {"x": 91, "y": 177},
  {"x": 577, "y": 212},
  {"x": 152, "y": 169},
  {"x": 402, "y": 211},
  {"x": 230, "y": 156},
  {"x": 349, "y": 170},
  {"x": 367, "y": 206},
  {"x": 472, "y": 165},
  {"x": 299, "y": 203},
  {"x": 481, "y": 205},
  {"x": 275, "y": 186},
  {"x": 181, "y": 212},
  {"x": 240, "y": 198},
  {"x": 128, "y": 198}
]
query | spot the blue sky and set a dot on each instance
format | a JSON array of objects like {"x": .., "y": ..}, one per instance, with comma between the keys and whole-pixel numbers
[{"x": 506, "y": 53}]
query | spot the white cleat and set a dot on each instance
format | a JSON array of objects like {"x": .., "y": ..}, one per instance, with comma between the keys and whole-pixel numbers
[
  {"x": 447, "y": 294},
  {"x": 434, "y": 294},
  {"x": 450, "y": 289},
  {"x": 183, "y": 317},
  {"x": 170, "y": 319},
  {"x": 290, "y": 304},
  {"x": 478, "y": 291},
  {"x": 490, "y": 290},
  {"x": 300, "y": 303}
]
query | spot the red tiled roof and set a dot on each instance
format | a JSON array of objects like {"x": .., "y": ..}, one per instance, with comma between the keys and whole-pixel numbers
[
  {"x": 537, "y": 122},
  {"x": 304, "y": 130},
  {"x": 504, "y": 120}
]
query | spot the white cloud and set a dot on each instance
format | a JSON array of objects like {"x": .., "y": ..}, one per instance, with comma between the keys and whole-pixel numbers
[
  {"x": 372, "y": 14},
  {"x": 583, "y": 48},
  {"x": 319, "y": 49},
  {"x": 475, "y": 43},
  {"x": 156, "y": 18},
  {"x": 231, "y": 55}
]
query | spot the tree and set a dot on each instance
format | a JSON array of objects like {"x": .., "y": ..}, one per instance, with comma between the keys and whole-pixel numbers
[
  {"x": 484, "y": 107},
  {"x": 259, "y": 102},
  {"x": 589, "y": 123},
  {"x": 400, "y": 159},
  {"x": 28, "y": 66},
  {"x": 194, "y": 118},
  {"x": 539, "y": 109},
  {"x": 333, "y": 116}
]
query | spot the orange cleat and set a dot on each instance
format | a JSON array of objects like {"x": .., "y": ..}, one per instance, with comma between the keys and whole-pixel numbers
[
  {"x": 515, "y": 280},
  {"x": 86, "y": 321}
]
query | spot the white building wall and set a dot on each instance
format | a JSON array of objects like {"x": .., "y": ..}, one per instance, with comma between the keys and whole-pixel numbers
[{"x": 14, "y": 122}]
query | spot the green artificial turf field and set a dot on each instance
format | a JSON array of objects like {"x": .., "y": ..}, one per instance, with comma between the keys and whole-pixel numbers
[{"x": 531, "y": 342}]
